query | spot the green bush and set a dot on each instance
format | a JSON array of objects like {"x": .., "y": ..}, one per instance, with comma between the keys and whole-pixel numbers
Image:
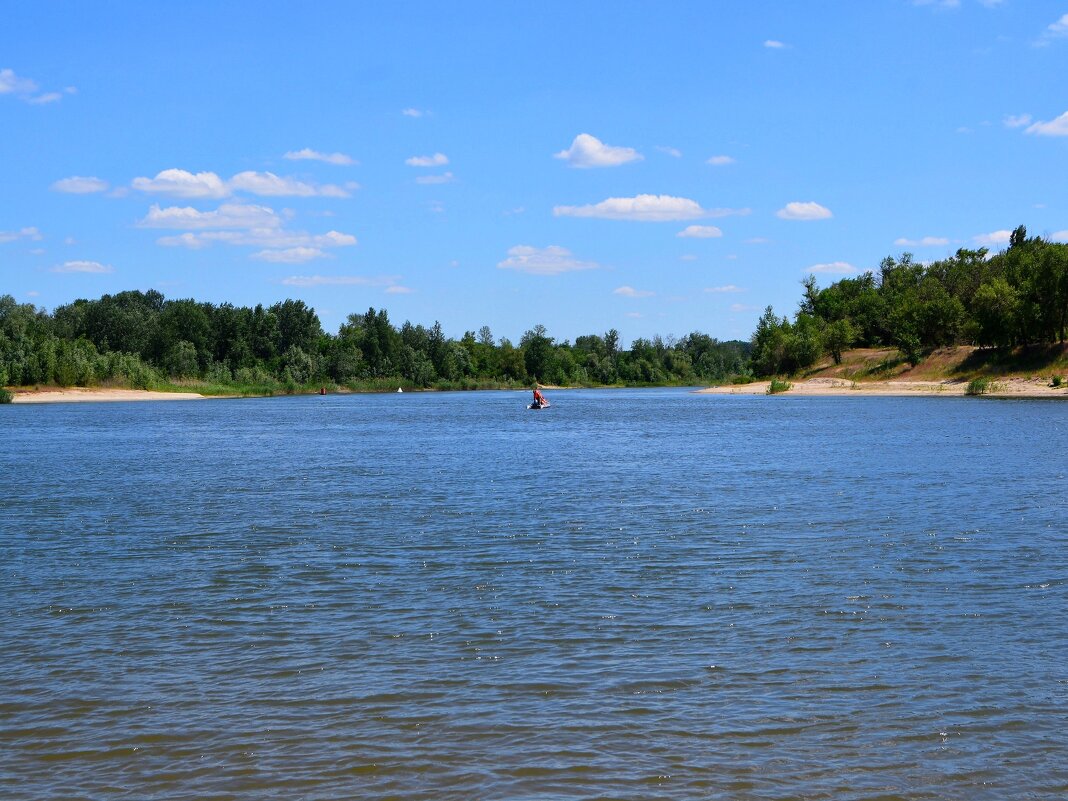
[
  {"x": 5, "y": 396},
  {"x": 1056, "y": 381},
  {"x": 778, "y": 386},
  {"x": 978, "y": 386}
]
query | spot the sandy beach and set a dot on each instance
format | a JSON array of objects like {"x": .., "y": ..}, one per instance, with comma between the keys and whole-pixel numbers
[
  {"x": 999, "y": 388},
  {"x": 78, "y": 395}
]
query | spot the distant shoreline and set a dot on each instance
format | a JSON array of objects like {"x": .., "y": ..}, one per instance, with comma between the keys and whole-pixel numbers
[
  {"x": 97, "y": 394},
  {"x": 837, "y": 387}
]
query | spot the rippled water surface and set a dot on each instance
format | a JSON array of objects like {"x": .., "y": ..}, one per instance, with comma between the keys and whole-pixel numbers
[{"x": 631, "y": 595}]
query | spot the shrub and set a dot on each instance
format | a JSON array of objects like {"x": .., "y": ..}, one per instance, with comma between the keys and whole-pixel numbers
[
  {"x": 5, "y": 396},
  {"x": 778, "y": 386},
  {"x": 1056, "y": 381},
  {"x": 978, "y": 386}
]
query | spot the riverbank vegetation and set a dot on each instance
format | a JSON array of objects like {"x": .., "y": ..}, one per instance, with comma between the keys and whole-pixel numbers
[
  {"x": 972, "y": 314},
  {"x": 145, "y": 341}
]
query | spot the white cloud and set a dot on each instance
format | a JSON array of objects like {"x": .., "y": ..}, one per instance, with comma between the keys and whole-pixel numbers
[
  {"x": 297, "y": 255},
  {"x": 307, "y": 154},
  {"x": 699, "y": 232},
  {"x": 724, "y": 289},
  {"x": 444, "y": 178},
  {"x": 47, "y": 97},
  {"x": 339, "y": 280},
  {"x": 12, "y": 84},
  {"x": 269, "y": 238},
  {"x": 397, "y": 289},
  {"x": 79, "y": 185},
  {"x": 82, "y": 267},
  {"x": 437, "y": 160},
  {"x": 1017, "y": 121},
  {"x": 552, "y": 260},
  {"x": 267, "y": 184},
  {"x": 589, "y": 151},
  {"x": 1058, "y": 29},
  {"x": 720, "y": 161},
  {"x": 993, "y": 239},
  {"x": 414, "y": 112},
  {"x": 774, "y": 44},
  {"x": 1057, "y": 127},
  {"x": 803, "y": 211},
  {"x": 674, "y": 152},
  {"x": 228, "y": 215},
  {"x": 834, "y": 268},
  {"x": 23, "y": 233},
  {"x": 925, "y": 242},
  {"x": 1059, "y": 236},
  {"x": 180, "y": 183},
  {"x": 631, "y": 292},
  {"x": 644, "y": 208}
]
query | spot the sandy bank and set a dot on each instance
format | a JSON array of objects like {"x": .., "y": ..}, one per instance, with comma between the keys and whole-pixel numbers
[
  {"x": 78, "y": 395},
  {"x": 1000, "y": 388}
]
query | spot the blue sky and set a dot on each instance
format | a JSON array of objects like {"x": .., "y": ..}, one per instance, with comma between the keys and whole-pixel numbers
[{"x": 656, "y": 168}]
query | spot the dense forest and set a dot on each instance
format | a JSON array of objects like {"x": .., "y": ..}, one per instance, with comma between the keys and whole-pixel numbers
[
  {"x": 1016, "y": 297},
  {"x": 143, "y": 340}
]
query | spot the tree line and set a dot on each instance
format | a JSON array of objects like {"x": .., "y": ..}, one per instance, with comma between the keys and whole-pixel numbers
[
  {"x": 142, "y": 339},
  {"x": 1016, "y": 297}
]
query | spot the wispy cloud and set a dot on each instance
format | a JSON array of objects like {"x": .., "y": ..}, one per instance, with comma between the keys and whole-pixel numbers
[
  {"x": 699, "y": 232},
  {"x": 774, "y": 44},
  {"x": 643, "y": 208},
  {"x": 290, "y": 255},
  {"x": 26, "y": 89},
  {"x": 925, "y": 242},
  {"x": 743, "y": 307},
  {"x": 209, "y": 186},
  {"x": 1017, "y": 120},
  {"x": 340, "y": 280},
  {"x": 1057, "y": 127},
  {"x": 631, "y": 292},
  {"x": 833, "y": 268},
  {"x": 444, "y": 178},
  {"x": 589, "y": 151},
  {"x": 720, "y": 161},
  {"x": 414, "y": 112},
  {"x": 729, "y": 288},
  {"x": 551, "y": 260},
  {"x": 270, "y": 239},
  {"x": 1055, "y": 30},
  {"x": 674, "y": 152},
  {"x": 437, "y": 160},
  {"x": 80, "y": 185},
  {"x": 23, "y": 233},
  {"x": 1059, "y": 236},
  {"x": 397, "y": 289},
  {"x": 267, "y": 184},
  {"x": 993, "y": 239},
  {"x": 228, "y": 215},
  {"x": 83, "y": 267},
  {"x": 307, "y": 154},
  {"x": 804, "y": 211}
]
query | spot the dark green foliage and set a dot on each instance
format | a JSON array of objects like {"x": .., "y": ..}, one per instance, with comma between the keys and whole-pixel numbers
[
  {"x": 776, "y": 386},
  {"x": 1017, "y": 297},
  {"x": 5, "y": 396}
]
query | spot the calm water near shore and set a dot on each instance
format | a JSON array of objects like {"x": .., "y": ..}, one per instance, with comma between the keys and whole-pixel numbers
[{"x": 642, "y": 594}]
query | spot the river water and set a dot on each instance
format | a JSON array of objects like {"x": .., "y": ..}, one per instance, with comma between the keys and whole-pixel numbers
[{"x": 644, "y": 594}]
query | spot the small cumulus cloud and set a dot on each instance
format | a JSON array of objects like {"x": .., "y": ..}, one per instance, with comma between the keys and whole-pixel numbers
[
  {"x": 720, "y": 161},
  {"x": 631, "y": 292},
  {"x": 437, "y": 160},
  {"x": 925, "y": 242},
  {"x": 588, "y": 151},
  {"x": 183, "y": 184},
  {"x": 729, "y": 288},
  {"x": 30, "y": 233},
  {"x": 993, "y": 239},
  {"x": 552, "y": 260},
  {"x": 444, "y": 178},
  {"x": 699, "y": 232},
  {"x": 228, "y": 215},
  {"x": 643, "y": 208},
  {"x": 1017, "y": 120},
  {"x": 414, "y": 112},
  {"x": 803, "y": 211},
  {"x": 1055, "y": 30},
  {"x": 25, "y": 89},
  {"x": 1057, "y": 127},
  {"x": 80, "y": 185},
  {"x": 833, "y": 268},
  {"x": 267, "y": 184},
  {"x": 774, "y": 44},
  {"x": 307, "y": 154},
  {"x": 83, "y": 267},
  {"x": 674, "y": 152}
]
